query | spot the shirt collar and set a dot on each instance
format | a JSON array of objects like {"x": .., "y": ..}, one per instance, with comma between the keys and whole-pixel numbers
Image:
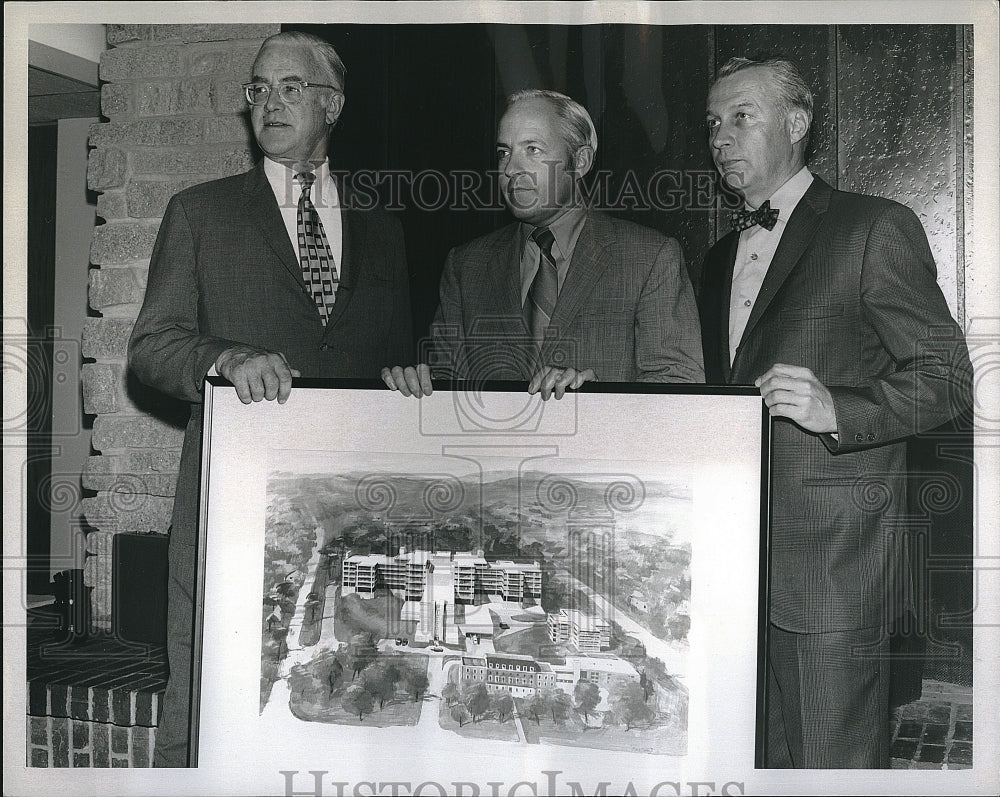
[
  {"x": 285, "y": 186},
  {"x": 788, "y": 196},
  {"x": 566, "y": 229}
]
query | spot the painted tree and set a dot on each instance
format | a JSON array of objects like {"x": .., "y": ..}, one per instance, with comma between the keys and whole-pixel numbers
[
  {"x": 460, "y": 714},
  {"x": 587, "y": 696},
  {"x": 503, "y": 704},
  {"x": 450, "y": 693},
  {"x": 477, "y": 700},
  {"x": 416, "y": 683},
  {"x": 334, "y": 672},
  {"x": 356, "y": 700},
  {"x": 628, "y": 704},
  {"x": 379, "y": 680},
  {"x": 361, "y": 653},
  {"x": 539, "y": 702},
  {"x": 560, "y": 707}
]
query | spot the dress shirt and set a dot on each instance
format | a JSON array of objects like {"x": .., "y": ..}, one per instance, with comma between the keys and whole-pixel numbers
[
  {"x": 755, "y": 252},
  {"x": 324, "y": 196},
  {"x": 566, "y": 231}
]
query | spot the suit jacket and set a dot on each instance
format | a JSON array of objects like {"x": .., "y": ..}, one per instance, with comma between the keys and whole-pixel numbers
[
  {"x": 626, "y": 309},
  {"x": 224, "y": 271},
  {"x": 850, "y": 294}
]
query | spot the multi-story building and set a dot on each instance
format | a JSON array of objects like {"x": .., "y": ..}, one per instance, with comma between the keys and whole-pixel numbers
[
  {"x": 409, "y": 574},
  {"x": 522, "y": 676},
  {"x": 586, "y": 632}
]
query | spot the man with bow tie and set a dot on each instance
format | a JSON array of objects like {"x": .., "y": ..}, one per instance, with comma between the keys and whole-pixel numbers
[
  {"x": 827, "y": 301},
  {"x": 565, "y": 294}
]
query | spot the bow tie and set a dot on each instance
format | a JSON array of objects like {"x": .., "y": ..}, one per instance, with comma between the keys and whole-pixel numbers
[{"x": 765, "y": 216}]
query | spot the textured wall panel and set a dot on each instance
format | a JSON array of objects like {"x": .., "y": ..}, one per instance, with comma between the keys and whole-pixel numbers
[{"x": 898, "y": 128}]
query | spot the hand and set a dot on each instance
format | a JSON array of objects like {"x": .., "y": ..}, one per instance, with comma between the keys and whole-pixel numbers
[
  {"x": 794, "y": 392},
  {"x": 410, "y": 381},
  {"x": 555, "y": 381},
  {"x": 256, "y": 373}
]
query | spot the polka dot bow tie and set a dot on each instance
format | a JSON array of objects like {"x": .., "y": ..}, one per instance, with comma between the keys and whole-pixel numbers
[{"x": 765, "y": 216}]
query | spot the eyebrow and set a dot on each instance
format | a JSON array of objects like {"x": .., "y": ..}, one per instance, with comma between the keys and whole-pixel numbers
[{"x": 287, "y": 79}]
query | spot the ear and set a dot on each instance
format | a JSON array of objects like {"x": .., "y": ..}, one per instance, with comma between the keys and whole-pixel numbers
[
  {"x": 335, "y": 107},
  {"x": 583, "y": 160},
  {"x": 797, "y": 122}
]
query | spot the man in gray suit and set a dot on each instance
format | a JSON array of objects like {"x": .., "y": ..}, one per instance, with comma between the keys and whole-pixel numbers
[
  {"x": 565, "y": 294},
  {"x": 264, "y": 276},
  {"x": 826, "y": 301}
]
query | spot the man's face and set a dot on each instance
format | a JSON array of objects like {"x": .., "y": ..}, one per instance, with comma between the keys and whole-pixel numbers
[
  {"x": 751, "y": 138},
  {"x": 536, "y": 172},
  {"x": 293, "y": 132}
]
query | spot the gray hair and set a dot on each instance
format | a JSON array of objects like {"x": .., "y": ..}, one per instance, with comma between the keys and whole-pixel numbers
[
  {"x": 326, "y": 56},
  {"x": 578, "y": 127},
  {"x": 793, "y": 92}
]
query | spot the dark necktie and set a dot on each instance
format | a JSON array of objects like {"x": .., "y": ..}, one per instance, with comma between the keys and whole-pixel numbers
[
  {"x": 319, "y": 272},
  {"x": 765, "y": 216},
  {"x": 541, "y": 301}
]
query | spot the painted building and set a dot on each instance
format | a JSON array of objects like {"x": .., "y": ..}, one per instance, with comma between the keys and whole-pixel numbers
[{"x": 587, "y": 633}]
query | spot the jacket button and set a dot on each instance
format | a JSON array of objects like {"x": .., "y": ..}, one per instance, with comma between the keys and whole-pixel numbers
[
  {"x": 859, "y": 437},
  {"x": 871, "y": 437},
  {"x": 324, "y": 347}
]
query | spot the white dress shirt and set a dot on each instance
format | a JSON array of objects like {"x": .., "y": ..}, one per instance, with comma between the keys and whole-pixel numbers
[
  {"x": 754, "y": 254},
  {"x": 323, "y": 193}
]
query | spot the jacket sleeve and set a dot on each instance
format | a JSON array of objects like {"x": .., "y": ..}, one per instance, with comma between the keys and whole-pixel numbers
[
  {"x": 667, "y": 330},
  {"x": 167, "y": 350},
  {"x": 447, "y": 344},
  {"x": 400, "y": 342},
  {"x": 901, "y": 301}
]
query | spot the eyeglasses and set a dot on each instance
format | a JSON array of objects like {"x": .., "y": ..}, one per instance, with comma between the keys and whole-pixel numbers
[{"x": 290, "y": 92}]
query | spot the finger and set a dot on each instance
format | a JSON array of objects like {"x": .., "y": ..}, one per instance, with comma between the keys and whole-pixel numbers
[
  {"x": 269, "y": 378},
  {"x": 387, "y": 378},
  {"x": 772, "y": 397},
  {"x": 548, "y": 383},
  {"x": 285, "y": 383},
  {"x": 583, "y": 376},
  {"x": 797, "y": 371},
  {"x": 413, "y": 381},
  {"x": 242, "y": 388},
  {"x": 536, "y": 381},
  {"x": 400, "y": 380},
  {"x": 295, "y": 372},
  {"x": 565, "y": 380},
  {"x": 424, "y": 374},
  {"x": 256, "y": 385}
]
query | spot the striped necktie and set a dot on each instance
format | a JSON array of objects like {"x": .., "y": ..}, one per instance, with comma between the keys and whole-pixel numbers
[
  {"x": 542, "y": 294},
  {"x": 319, "y": 271}
]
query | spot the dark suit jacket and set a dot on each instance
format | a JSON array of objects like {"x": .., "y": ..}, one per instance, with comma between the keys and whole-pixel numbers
[
  {"x": 626, "y": 309},
  {"x": 850, "y": 294},
  {"x": 223, "y": 271}
]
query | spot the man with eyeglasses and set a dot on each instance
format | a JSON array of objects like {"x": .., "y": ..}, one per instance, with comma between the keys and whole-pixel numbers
[{"x": 263, "y": 277}]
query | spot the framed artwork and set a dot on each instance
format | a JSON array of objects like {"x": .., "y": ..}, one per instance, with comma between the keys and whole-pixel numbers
[{"x": 481, "y": 587}]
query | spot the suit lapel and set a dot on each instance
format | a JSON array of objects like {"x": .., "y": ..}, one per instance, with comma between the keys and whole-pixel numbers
[
  {"x": 353, "y": 225},
  {"x": 798, "y": 234},
  {"x": 718, "y": 289},
  {"x": 262, "y": 209},
  {"x": 588, "y": 264}
]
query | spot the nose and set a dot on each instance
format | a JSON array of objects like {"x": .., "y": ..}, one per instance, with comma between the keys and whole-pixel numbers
[
  {"x": 273, "y": 101},
  {"x": 720, "y": 136}
]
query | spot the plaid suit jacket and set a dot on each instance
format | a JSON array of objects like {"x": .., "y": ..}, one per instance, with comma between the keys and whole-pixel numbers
[
  {"x": 626, "y": 309},
  {"x": 851, "y": 294},
  {"x": 224, "y": 271}
]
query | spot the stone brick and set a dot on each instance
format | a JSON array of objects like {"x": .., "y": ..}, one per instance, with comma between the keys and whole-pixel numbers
[
  {"x": 211, "y": 33},
  {"x": 157, "y": 471},
  {"x": 59, "y": 737},
  {"x": 100, "y": 387},
  {"x": 152, "y": 514},
  {"x": 58, "y": 700},
  {"x": 120, "y": 243},
  {"x": 144, "y": 708},
  {"x": 100, "y": 543},
  {"x": 117, "y": 100},
  {"x": 106, "y": 338},
  {"x": 106, "y": 168},
  {"x": 123, "y": 63},
  {"x": 119, "y": 739},
  {"x": 147, "y": 132},
  {"x": 118, "y": 34},
  {"x": 100, "y": 609},
  {"x": 148, "y": 198},
  {"x": 100, "y": 704},
  {"x": 140, "y": 747},
  {"x": 232, "y": 58},
  {"x": 39, "y": 730},
  {"x": 206, "y": 163},
  {"x": 81, "y": 760},
  {"x": 225, "y": 129},
  {"x": 100, "y": 745},
  {"x": 81, "y": 735},
  {"x": 119, "y": 762},
  {"x": 116, "y": 286},
  {"x": 39, "y": 757},
  {"x": 111, "y": 205},
  {"x": 146, "y": 432},
  {"x": 79, "y": 701},
  {"x": 227, "y": 95}
]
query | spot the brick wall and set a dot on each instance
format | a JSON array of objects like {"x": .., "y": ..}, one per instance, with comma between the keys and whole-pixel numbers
[{"x": 176, "y": 117}]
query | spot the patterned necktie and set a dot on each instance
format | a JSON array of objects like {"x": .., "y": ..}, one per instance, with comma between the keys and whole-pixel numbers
[
  {"x": 765, "y": 216},
  {"x": 319, "y": 272},
  {"x": 541, "y": 301}
]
